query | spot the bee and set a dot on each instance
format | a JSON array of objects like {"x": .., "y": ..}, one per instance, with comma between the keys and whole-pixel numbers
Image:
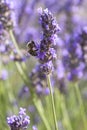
[{"x": 32, "y": 48}]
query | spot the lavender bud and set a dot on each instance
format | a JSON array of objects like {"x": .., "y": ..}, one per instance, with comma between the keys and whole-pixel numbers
[
  {"x": 47, "y": 68},
  {"x": 19, "y": 122},
  {"x": 74, "y": 65},
  {"x": 48, "y": 23},
  {"x": 5, "y": 16},
  {"x": 82, "y": 39},
  {"x": 47, "y": 55}
]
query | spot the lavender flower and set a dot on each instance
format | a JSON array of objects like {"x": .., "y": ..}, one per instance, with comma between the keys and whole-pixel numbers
[
  {"x": 48, "y": 23},
  {"x": 6, "y": 46},
  {"x": 46, "y": 56},
  {"x": 73, "y": 59},
  {"x": 19, "y": 122},
  {"x": 82, "y": 40},
  {"x": 45, "y": 50},
  {"x": 5, "y": 17},
  {"x": 47, "y": 68}
]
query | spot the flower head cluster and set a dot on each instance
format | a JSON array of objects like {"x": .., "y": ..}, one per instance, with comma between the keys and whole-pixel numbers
[
  {"x": 6, "y": 45},
  {"x": 48, "y": 23},
  {"x": 82, "y": 40},
  {"x": 45, "y": 51},
  {"x": 72, "y": 59},
  {"x": 19, "y": 122},
  {"x": 5, "y": 16}
]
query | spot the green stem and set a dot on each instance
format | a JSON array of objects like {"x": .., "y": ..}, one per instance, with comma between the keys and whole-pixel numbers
[
  {"x": 17, "y": 48},
  {"x": 66, "y": 118},
  {"x": 40, "y": 110},
  {"x": 52, "y": 102},
  {"x": 14, "y": 41},
  {"x": 82, "y": 111},
  {"x": 21, "y": 67}
]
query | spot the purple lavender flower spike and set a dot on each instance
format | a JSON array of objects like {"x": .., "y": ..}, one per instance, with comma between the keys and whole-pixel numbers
[
  {"x": 82, "y": 40},
  {"x": 48, "y": 23},
  {"x": 5, "y": 16},
  {"x": 73, "y": 59},
  {"x": 45, "y": 52},
  {"x": 19, "y": 122}
]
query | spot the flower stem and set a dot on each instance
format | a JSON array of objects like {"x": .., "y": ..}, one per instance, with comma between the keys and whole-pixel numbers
[
  {"x": 40, "y": 110},
  {"x": 17, "y": 48},
  {"x": 21, "y": 67},
  {"x": 66, "y": 118},
  {"x": 14, "y": 41},
  {"x": 81, "y": 105},
  {"x": 52, "y": 102}
]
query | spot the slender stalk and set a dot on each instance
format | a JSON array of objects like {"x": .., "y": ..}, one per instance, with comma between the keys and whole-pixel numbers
[
  {"x": 82, "y": 111},
  {"x": 40, "y": 110},
  {"x": 21, "y": 67},
  {"x": 17, "y": 48},
  {"x": 66, "y": 118},
  {"x": 52, "y": 102},
  {"x": 2, "y": 92},
  {"x": 14, "y": 41}
]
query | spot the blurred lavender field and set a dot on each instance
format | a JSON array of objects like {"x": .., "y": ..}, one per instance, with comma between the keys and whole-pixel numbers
[{"x": 43, "y": 65}]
